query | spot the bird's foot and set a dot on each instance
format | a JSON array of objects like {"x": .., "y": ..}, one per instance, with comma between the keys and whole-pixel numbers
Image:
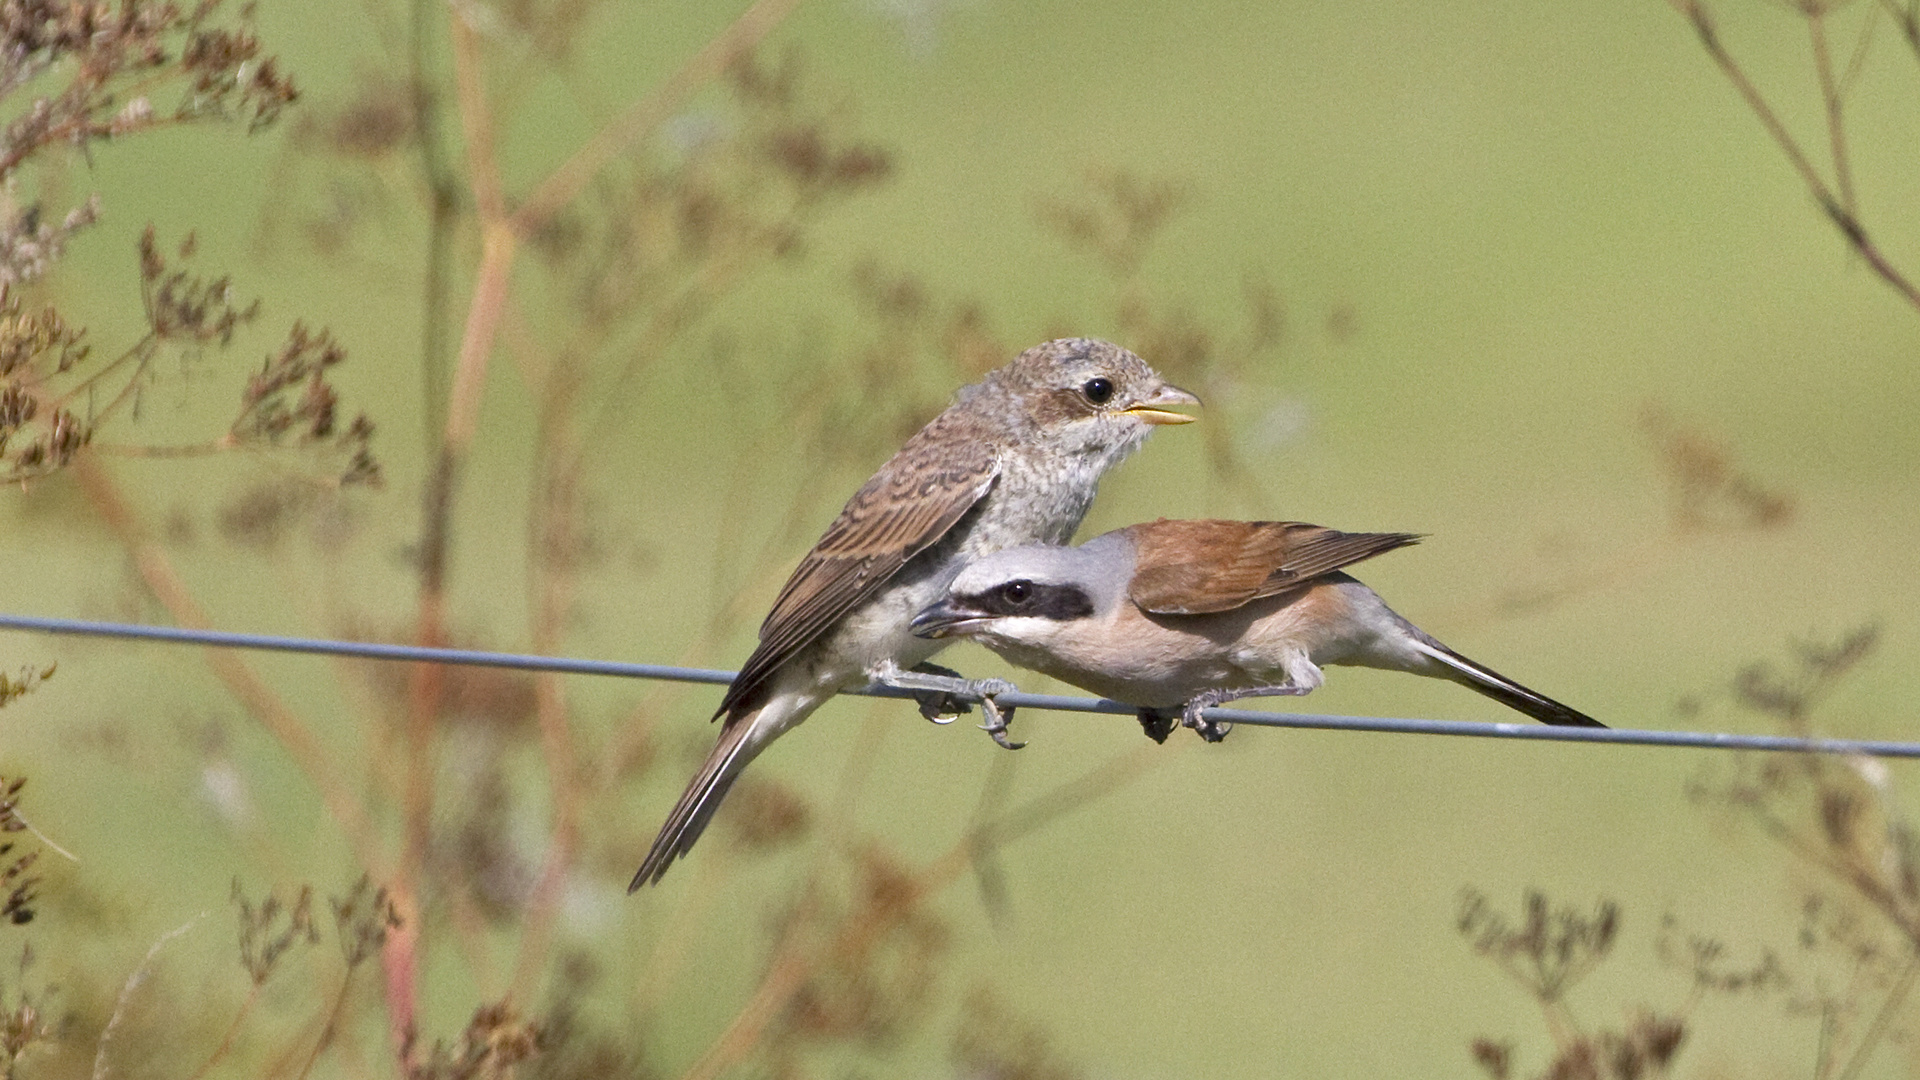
[
  {"x": 941, "y": 706},
  {"x": 942, "y": 694},
  {"x": 1191, "y": 716},
  {"x": 998, "y": 719},
  {"x": 1215, "y": 730},
  {"x": 1158, "y": 723}
]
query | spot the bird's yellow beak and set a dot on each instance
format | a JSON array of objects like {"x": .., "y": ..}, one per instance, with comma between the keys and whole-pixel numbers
[{"x": 1153, "y": 410}]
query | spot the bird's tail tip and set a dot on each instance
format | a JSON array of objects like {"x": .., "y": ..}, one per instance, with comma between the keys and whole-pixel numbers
[
  {"x": 1513, "y": 695},
  {"x": 698, "y": 803}
]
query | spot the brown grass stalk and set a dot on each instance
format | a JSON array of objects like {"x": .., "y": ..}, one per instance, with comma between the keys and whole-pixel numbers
[
  {"x": 240, "y": 1015},
  {"x": 463, "y": 407},
  {"x": 1838, "y": 207},
  {"x": 329, "y": 1027},
  {"x": 1835, "y": 103},
  {"x": 566, "y": 183},
  {"x": 554, "y": 548},
  {"x": 793, "y": 965},
  {"x": 443, "y": 213},
  {"x": 163, "y": 581}
]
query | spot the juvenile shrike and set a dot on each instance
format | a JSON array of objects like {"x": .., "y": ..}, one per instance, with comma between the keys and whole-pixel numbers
[
  {"x": 1186, "y": 615},
  {"x": 1014, "y": 460}
]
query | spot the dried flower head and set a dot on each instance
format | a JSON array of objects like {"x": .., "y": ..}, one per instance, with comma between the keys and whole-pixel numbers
[
  {"x": 289, "y": 402},
  {"x": 494, "y": 1042},
  {"x": 362, "y": 920},
  {"x": 1550, "y": 950},
  {"x": 24, "y": 1023},
  {"x": 765, "y": 815},
  {"x": 272, "y": 928},
  {"x": 18, "y": 884},
  {"x": 991, "y": 1041},
  {"x": 1709, "y": 491}
]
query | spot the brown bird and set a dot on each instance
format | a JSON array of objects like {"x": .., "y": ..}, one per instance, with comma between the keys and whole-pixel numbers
[
  {"x": 1186, "y": 615},
  {"x": 1014, "y": 460}
]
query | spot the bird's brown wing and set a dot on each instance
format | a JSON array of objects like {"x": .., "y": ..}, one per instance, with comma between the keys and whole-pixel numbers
[
  {"x": 1196, "y": 567},
  {"x": 904, "y": 509}
]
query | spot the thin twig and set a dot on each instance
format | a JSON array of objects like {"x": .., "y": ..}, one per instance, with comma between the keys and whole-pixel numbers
[
  {"x": 1835, "y": 103},
  {"x": 553, "y": 519},
  {"x": 330, "y": 1027},
  {"x": 497, "y": 251},
  {"x": 233, "y": 1032},
  {"x": 566, "y": 183},
  {"x": 1908, "y": 20},
  {"x": 164, "y": 582},
  {"x": 1703, "y": 25},
  {"x": 791, "y": 966},
  {"x": 127, "y": 990},
  {"x": 1837, "y": 209},
  {"x": 1876, "y": 1030}
]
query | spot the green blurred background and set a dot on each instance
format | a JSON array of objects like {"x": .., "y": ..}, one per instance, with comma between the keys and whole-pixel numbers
[{"x": 1501, "y": 233}]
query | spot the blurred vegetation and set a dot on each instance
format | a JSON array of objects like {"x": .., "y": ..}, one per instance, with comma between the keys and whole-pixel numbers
[{"x": 429, "y": 861}]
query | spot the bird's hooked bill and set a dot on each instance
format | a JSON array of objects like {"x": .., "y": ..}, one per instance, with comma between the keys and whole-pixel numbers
[
  {"x": 942, "y": 619},
  {"x": 1153, "y": 410}
]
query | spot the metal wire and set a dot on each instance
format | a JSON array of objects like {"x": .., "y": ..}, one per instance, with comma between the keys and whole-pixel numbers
[{"x": 528, "y": 662}]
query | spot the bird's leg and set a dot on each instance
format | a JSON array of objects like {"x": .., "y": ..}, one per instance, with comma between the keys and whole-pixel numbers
[
  {"x": 1215, "y": 730},
  {"x": 940, "y": 706},
  {"x": 1158, "y": 723},
  {"x": 943, "y": 694}
]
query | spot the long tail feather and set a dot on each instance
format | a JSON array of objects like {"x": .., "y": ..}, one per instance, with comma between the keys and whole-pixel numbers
[
  {"x": 1487, "y": 681},
  {"x": 702, "y": 797}
]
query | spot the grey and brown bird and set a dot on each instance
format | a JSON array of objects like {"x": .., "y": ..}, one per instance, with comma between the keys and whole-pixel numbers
[
  {"x": 1176, "y": 617},
  {"x": 1014, "y": 460}
]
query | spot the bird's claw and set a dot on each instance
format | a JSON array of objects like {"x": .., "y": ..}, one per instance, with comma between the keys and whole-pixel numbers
[
  {"x": 1215, "y": 730},
  {"x": 1192, "y": 716},
  {"x": 948, "y": 703},
  {"x": 1157, "y": 723},
  {"x": 997, "y": 721},
  {"x": 1210, "y": 730},
  {"x": 941, "y": 706}
]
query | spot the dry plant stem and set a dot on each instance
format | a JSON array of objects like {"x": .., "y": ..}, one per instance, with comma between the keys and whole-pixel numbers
[
  {"x": 1890, "y": 906},
  {"x": 1831, "y": 97},
  {"x": 331, "y": 1026},
  {"x": 224, "y": 444},
  {"x": 101, "y": 1066},
  {"x": 443, "y": 206},
  {"x": 1861, "y": 879},
  {"x": 498, "y": 247},
  {"x": 792, "y": 966},
  {"x": 233, "y": 1031},
  {"x": 571, "y": 178},
  {"x": 1908, "y": 21},
  {"x": 1562, "y": 1028},
  {"x": 1709, "y": 34},
  {"x": 401, "y": 955},
  {"x": 553, "y": 520},
  {"x": 163, "y": 581},
  {"x": 1836, "y": 209},
  {"x": 1883, "y": 1018}
]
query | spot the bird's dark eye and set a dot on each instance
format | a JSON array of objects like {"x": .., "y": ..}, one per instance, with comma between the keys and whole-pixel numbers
[
  {"x": 1098, "y": 390},
  {"x": 1016, "y": 593}
]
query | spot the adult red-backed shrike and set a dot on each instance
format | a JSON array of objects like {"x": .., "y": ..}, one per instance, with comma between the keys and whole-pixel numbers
[
  {"x": 1185, "y": 615},
  {"x": 1014, "y": 460}
]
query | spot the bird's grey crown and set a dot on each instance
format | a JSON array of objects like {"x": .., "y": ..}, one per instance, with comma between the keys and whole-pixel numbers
[{"x": 1097, "y": 570}]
